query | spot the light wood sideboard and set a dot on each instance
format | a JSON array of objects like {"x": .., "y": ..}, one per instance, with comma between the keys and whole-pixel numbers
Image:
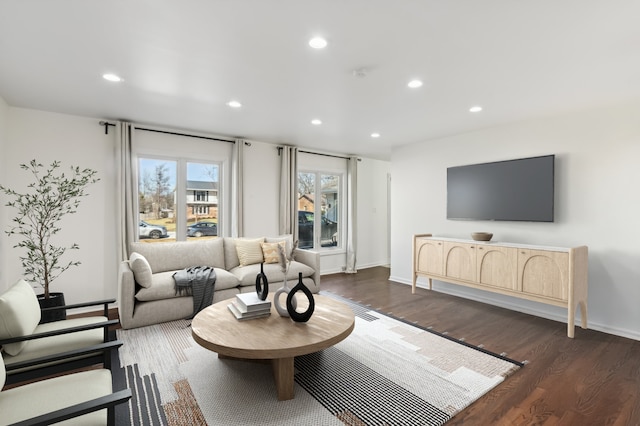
[{"x": 552, "y": 275}]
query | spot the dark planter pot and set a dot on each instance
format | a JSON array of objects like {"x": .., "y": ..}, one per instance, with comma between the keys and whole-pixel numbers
[{"x": 55, "y": 299}]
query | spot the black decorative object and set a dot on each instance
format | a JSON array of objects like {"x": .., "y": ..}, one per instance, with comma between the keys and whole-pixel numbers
[
  {"x": 295, "y": 315},
  {"x": 262, "y": 285}
]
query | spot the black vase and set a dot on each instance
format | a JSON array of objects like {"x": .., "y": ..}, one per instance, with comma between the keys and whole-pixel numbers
[
  {"x": 295, "y": 315},
  {"x": 54, "y": 300},
  {"x": 262, "y": 285}
]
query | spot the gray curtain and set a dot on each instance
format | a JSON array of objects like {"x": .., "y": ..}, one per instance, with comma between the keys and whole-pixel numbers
[
  {"x": 126, "y": 188},
  {"x": 288, "y": 217},
  {"x": 352, "y": 201},
  {"x": 237, "y": 174}
]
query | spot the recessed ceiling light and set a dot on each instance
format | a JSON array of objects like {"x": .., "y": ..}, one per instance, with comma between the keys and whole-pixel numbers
[
  {"x": 414, "y": 84},
  {"x": 112, "y": 77},
  {"x": 316, "y": 122},
  {"x": 234, "y": 104},
  {"x": 476, "y": 108},
  {"x": 375, "y": 135},
  {"x": 318, "y": 43}
]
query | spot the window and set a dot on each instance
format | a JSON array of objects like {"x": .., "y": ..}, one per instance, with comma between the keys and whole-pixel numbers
[
  {"x": 319, "y": 196},
  {"x": 202, "y": 195},
  {"x": 156, "y": 187},
  {"x": 181, "y": 187},
  {"x": 171, "y": 191},
  {"x": 202, "y": 200},
  {"x": 321, "y": 201}
]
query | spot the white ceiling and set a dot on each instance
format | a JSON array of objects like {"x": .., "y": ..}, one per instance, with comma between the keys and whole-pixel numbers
[{"x": 182, "y": 61}]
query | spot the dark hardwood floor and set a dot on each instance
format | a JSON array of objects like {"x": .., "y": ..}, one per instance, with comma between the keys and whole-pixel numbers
[{"x": 593, "y": 379}]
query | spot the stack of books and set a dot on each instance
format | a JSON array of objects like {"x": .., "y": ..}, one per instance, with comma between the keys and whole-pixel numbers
[{"x": 249, "y": 306}]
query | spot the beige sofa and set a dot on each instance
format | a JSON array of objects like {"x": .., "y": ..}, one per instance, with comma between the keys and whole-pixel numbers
[{"x": 147, "y": 289}]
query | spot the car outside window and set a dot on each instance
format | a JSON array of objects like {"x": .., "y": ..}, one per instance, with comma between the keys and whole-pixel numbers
[{"x": 319, "y": 195}]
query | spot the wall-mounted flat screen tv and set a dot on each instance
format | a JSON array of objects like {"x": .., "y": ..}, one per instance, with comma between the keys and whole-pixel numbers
[{"x": 514, "y": 190}]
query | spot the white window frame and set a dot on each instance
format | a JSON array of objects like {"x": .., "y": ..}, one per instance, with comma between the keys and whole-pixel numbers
[
  {"x": 320, "y": 164},
  {"x": 184, "y": 149}
]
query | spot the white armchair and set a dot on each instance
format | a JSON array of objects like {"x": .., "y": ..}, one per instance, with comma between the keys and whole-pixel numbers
[
  {"x": 24, "y": 341},
  {"x": 85, "y": 398}
]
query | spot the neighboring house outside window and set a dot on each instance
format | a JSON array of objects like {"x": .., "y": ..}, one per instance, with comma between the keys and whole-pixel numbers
[{"x": 202, "y": 200}]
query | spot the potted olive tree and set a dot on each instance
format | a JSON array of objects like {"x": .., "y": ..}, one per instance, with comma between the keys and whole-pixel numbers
[{"x": 52, "y": 195}]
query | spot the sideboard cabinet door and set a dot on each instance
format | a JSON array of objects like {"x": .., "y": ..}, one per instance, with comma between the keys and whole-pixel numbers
[
  {"x": 544, "y": 273},
  {"x": 497, "y": 266},
  {"x": 429, "y": 256},
  {"x": 460, "y": 260}
]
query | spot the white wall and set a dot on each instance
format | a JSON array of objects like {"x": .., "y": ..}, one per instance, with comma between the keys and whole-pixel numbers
[
  {"x": 81, "y": 141},
  {"x": 262, "y": 181},
  {"x": 372, "y": 213},
  {"x": 261, "y": 193},
  {"x": 597, "y": 204}
]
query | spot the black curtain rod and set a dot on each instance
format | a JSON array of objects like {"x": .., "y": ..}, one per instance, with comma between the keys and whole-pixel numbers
[
  {"x": 319, "y": 153},
  {"x": 184, "y": 134},
  {"x": 106, "y": 125},
  {"x": 327, "y": 155}
]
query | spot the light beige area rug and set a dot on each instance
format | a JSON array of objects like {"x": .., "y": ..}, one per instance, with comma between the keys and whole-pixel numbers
[{"x": 387, "y": 372}]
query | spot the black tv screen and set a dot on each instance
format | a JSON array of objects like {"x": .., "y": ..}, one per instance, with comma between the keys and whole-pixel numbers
[{"x": 514, "y": 190}]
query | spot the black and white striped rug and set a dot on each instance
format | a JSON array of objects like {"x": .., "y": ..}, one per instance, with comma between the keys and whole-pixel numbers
[{"x": 387, "y": 372}]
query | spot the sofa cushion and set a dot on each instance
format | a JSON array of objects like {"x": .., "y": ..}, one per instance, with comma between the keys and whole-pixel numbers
[
  {"x": 173, "y": 256},
  {"x": 163, "y": 286},
  {"x": 247, "y": 274},
  {"x": 19, "y": 315},
  {"x": 44, "y": 396},
  {"x": 141, "y": 269},
  {"x": 230, "y": 253},
  {"x": 270, "y": 251}
]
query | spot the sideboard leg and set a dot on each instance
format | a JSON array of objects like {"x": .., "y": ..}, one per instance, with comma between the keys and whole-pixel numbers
[
  {"x": 583, "y": 313},
  {"x": 571, "y": 318},
  {"x": 570, "y": 330}
]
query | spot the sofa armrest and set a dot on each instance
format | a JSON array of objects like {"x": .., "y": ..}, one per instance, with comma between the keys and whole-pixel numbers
[
  {"x": 126, "y": 294},
  {"x": 312, "y": 259}
]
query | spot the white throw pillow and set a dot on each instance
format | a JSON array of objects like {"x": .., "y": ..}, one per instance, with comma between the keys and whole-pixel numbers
[
  {"x": 141, "y": 269},
  {"x": 249, "y": 251},
  {"x": 19, "y": 315}
]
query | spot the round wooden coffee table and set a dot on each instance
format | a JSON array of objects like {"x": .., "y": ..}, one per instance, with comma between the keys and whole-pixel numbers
[{"x": 273, "y": 338}]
